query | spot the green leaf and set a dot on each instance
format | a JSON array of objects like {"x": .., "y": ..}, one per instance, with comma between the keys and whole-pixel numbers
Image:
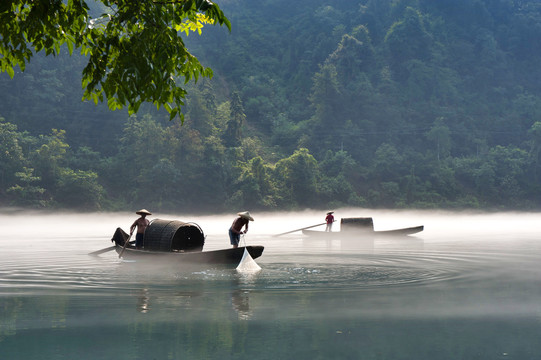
[
  {"x": 70, "y": 47},
  {"x": 10, "y": 72}
]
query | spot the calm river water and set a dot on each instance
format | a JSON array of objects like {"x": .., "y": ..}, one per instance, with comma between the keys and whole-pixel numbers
[{"x": 468, "y": 287}]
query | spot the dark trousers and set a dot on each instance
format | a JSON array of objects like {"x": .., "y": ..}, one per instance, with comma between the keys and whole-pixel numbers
[{"x": 139, "y": 240}]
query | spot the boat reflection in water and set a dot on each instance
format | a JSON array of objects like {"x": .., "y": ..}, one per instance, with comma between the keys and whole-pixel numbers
[
  {"x": 240, "y": 300},
  {"x": 143, "y": 301},
  {"x": 149, "y": 298}
]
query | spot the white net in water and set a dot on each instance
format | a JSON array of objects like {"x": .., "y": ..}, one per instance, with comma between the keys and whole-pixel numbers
[{"x": 247, "y": 264}]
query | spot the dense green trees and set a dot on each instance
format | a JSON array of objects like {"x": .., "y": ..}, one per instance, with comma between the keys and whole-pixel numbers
[
  {"x": 410, "y": 103},
  {"x": 11, "y": 153},
  {"x": 35, "y": 172}
]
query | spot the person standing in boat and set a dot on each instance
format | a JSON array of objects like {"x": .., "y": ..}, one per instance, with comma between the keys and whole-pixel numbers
[
  {"x": 329, "y": 219},
  {"x": 141, "y": 224},
  {"x": 236, "y": 228}
]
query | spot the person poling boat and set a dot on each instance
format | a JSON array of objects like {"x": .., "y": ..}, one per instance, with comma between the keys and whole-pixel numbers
[
  {"x": 141, "y": 224},
  {"x": 329, "y": 219},
  {"x": 235, "y": 230}
]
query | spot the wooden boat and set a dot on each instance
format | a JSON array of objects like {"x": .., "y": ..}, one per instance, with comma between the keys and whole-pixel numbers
[
  {"x": 214, "y": 257},
  {"x": 180, "y": 242},
  {"x": 396, "y": 232},
  {"x": 360, "y": 227}
]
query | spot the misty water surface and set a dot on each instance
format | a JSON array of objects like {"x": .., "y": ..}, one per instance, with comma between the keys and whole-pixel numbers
[{"x": 467, "y": 287}]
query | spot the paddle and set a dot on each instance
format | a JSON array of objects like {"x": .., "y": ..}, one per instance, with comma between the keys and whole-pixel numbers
[
  {"x": 308, "y": 227},
  {"x": 124, "y": 247},
  {"x": 102, "y": 250}
]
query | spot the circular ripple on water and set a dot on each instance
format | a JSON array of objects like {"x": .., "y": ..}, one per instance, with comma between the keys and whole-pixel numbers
[{"x": 373, "y": 271}]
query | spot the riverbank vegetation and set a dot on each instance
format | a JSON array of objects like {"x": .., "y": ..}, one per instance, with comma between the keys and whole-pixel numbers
[{"x": 375, "y": 103}]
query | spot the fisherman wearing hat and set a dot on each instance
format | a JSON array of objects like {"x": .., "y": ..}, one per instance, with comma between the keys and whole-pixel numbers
[
  {"x": 236, "y": 228},
  {"x": 329, "y": 219},
  {"x": 141, "y": 224}
]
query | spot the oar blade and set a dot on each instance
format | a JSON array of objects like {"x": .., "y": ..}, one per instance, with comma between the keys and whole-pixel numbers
[{"x": 98, "y": 252}]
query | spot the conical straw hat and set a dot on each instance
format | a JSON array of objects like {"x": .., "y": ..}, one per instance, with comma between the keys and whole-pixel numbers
[{"x": 246, "y": 215}]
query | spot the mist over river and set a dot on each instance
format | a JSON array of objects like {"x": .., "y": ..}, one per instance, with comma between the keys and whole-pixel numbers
[{"x": 467, "y": 287}]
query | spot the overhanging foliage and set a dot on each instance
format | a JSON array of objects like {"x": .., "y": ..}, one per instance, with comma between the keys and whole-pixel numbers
[{"x": 135, "y": 49}]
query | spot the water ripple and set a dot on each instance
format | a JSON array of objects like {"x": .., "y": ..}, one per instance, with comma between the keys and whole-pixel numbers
[
  {"x": 391, "y": 269},
  {"x": 336, "y": 269}
]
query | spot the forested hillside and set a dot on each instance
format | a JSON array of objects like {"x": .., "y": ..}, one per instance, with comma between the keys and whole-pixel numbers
[{"x": 313, "y": 103}]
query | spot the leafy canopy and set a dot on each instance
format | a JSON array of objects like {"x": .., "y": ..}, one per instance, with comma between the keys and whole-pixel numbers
[{"x": 136, "y": 53}]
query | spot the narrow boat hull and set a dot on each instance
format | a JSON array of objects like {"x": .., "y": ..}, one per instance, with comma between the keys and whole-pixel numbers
[
  {"x": 231, "y": 256},
  {"x": 401, "y": 232},
  {"x": 362, "y": 233}
]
